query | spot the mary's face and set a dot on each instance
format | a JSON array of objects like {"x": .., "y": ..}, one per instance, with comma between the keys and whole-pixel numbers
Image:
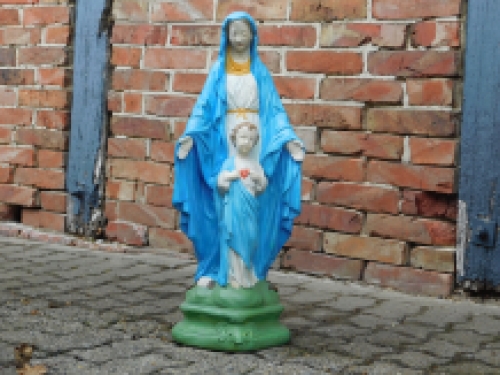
[{"x": 240, "y": 35}]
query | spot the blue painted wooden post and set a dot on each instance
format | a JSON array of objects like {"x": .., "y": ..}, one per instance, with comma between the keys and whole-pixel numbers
[
  {"x": 478, "y": 253},
  {"x": 85, "y": 175}
]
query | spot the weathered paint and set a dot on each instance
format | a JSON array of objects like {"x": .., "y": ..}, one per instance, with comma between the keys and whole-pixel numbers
[
  {"x": 480, "y": 145},
  {"x": 88, "y": 114}
]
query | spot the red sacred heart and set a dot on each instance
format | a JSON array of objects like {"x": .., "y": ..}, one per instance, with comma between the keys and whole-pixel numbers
[{"x": 244, "y": 173}]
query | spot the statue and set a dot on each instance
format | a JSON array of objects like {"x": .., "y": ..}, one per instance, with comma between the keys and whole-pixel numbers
[{"x": 238, "y": 153}]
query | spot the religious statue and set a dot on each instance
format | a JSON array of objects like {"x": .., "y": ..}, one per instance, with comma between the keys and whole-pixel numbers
[{"x": 237, "y": 188}]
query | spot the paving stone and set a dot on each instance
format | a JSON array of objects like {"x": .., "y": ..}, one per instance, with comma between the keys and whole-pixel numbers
[
  {"x": 63, "y": 365},
  {"x": 464, "y": 368},
  {"x": 350, "y": 303},
  {"x": 394, "y": 309},
  {"x": 489, "y": 356},
  {"x": 363, "y": 349},
  {"x": 416, "y": 360},
  {"x": 340, "y": 330},
  {"x": 415, "y": 330},
  {"x": 308, "y": 297},
  {"x": 381, "y": 368},
  {"x": 391, "y": 339},
  {"x": 443, "y": 348},
  {"x": 440, "y": 316},
  {"x": 481, "y": 324},
  {"x": 472, "y": 339}
]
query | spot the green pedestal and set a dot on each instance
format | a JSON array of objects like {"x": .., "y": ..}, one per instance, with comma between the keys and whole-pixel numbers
[{"x": 229, "y": 319}]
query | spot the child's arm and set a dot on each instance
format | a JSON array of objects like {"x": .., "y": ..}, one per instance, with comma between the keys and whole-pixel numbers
[
  {"x": 259, "y": 178},
  {"x": 225, "y": 178}
]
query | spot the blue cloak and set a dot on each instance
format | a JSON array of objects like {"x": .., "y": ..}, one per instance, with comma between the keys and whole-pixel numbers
[{"x": 195, "y": 186}]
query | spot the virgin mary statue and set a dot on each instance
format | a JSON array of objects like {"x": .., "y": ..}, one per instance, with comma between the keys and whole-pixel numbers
[{"x": 239, "y": 88}]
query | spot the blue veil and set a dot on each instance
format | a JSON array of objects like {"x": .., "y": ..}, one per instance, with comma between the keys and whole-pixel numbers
[{"x": 195, "y": 187}]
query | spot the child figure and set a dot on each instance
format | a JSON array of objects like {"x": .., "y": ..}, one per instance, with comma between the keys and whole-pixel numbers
[{"x": 240, "y": 181}]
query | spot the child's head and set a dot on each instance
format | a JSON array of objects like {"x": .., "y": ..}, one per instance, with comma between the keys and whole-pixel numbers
[{"x": 249, "y": 127}]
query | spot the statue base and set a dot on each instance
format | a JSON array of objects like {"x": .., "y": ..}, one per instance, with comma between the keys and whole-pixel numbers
[{"x": 233, "y": 320}]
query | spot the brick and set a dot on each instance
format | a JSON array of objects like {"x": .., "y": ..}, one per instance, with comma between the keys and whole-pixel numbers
[
  {"x": 135, "y": 79},
  {"x": 401, "y": 9},
  {"x": 178, "y": 129},
  {"x": 54, "y": 76},
  {"x": 407, "y": 228},
  {"x": 131, "y": 10},
  {"x": 163, "y": 151},
  {"x": 292, "y": 36},
  {"x": 43, "y": 219},
  {"x": 57, "y": 35},
  {"x": 361, "y": 197},
  {"x": 150, "y": 216},
  {"x": 43, "y": 138},
  {"x": 333, "y": 168},
  {"x": 303, "y": 238},
  {"x": 363, "y": 90},
  {"x": 126, "y": 56},
  {"x": 323, "y": 264},
  {"x": 6, "y": 175},
  {"x": 170, "y": 239},
  {"x": 308, "y": 135},
  {"x": 169, "y": 105},
  {"x": 195, "y": 35},
  {"x": 358, "y": 34},
  {"x": 433, "y": 151},
  {"x": 259, "y": 9},
  {"x": 53, "y": 201},
  {"x": 430, "y": 92},
  {"x": 433, "y": 258},
  {"x": 120, "y": 190},
  {"x": 308, "y": 189},
  {"x": 53, "y": 119},
  {"x": 139, "y": 34},
  {"x": 272, "y": 60},
  {"x": 20, "y": 36},
  {"x": 429, "y": 204},
  {"x": 45, "y": 15},
  {"x": 436, "y": 34},
  {"x": 334, "y": 218},
  {"x": 17, "y": 77},
  {"x": 369, "y": 248},
  {"x": 295, "y": 87},
  {"x": 326, "y": 62},
  {"x": 132, "y": 102},
  {"x": 410, "y": 280},
  {"x": 5, "y": 134},
  {"x": 19, "y": 195},
  {"x": 327, "y": 10},
  {"x": 41, "y": 178},
  {"x": 9, "y": 212},
  {"x": 111, "y": 210},
  {"x": 16, "y": 116},
  {"x": 8, "y": 97},
  {"x": 175, "y": 58},
  {"x": 414, "y": 63},
  {"x": 324, "y": 116},
  {"x": 17, "y": 155},
  {"x": 159, "y": 195},
  {"x": 141, "y": 170},
  {"x": 127, "y": 233},
  {"x": 416, "y": 177},
  {"x": 7, "y": 56},
  {"x": 115, "y": 100},
  {"x": 418, "y": 122},
  {"x": 140, "y": 127},
  {"x": 127, "y": 148},
  {"x": 44, "y": 98},
  {"x": 191, "y": 83},
  {"x": 9, "y": 17},
  {"x": 187, "y": 10},
  {"x": 42, "y": 56},
  {"x": 378, "y": 146}
]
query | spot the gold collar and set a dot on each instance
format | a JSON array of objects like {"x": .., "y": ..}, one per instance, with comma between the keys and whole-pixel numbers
[{"x": 233, "y": 67}]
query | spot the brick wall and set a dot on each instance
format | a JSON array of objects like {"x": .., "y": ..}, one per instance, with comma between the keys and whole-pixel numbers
[{"x": 34, "y": 118}]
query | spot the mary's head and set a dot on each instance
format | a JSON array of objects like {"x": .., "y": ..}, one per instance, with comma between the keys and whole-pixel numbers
[{"x": 239, "y": 31}]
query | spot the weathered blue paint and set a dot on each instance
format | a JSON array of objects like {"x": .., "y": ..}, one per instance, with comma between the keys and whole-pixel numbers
[
  {"x": 89, "y": 111},
  {"x": 480, "y": 145}
]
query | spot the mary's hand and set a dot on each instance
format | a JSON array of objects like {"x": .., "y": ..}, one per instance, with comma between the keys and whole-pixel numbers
[
  {"x": 186, "y": 143},
  {"x": 296, "y": 151}
]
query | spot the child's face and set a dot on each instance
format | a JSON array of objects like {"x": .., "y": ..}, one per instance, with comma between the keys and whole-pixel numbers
[{"x": 245, "y": 140}]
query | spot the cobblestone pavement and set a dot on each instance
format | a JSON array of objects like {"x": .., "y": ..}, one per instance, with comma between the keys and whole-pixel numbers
[{"x": 91, "y": 312}]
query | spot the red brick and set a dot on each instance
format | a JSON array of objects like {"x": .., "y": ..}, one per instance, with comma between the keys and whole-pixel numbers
[
  {"x": 429, "y": 204},
  {"x": 361, "y": 197},
  {"x": 195, "y": 35},
  {"x": 134, "y": 79},
  {"x": 5, "y": 135},
  {"x": 54, "y": 76},
  {"x": 369, "y": 248},
  {"x": 414, "y": 63},
  {"x": 17, "y": 77},
  {"x": 401, "y": 9},
  {"x": 131, "y": 10},
  {"x": 430, "y": 92},
  {"x": 9, "y": 17},
  {"x": 7, "y": 56},
  {"x": 358, "y": 34},
  {"x": 111, "y": 210},
  {"x": 139, "y": 34},
  {"x": 178, "y": 129},
  {"x": 46, "y": 15},
  {"x": 330, "y": 218},
  {"x": 433, "y": 151},
  {"x": 308, "y": 135},
  {"x": 379, "y": 146},
  {"x": 132, "y": 102},
  {"x": 410, "y": 280},
  {"x": 150, "y": 216},
  {"x": 308, "y": 189},
  {"x": 53, "y": 201},
  {"x": 6, "y": 175},
  {"x": 140, "y": 127},
  {"x": 127, "y": 233},
  {"x": 327, "y": 62},
  {"x": 258, "y": 9},
  {"x": 115, "y": 100},
  {"x": 324, "y": 116},
  {"x": 163, "y": 151},
  {"x": 43, "y": 138},
  {"x": 295, "y": 87},
  {"x": 20, "y": 36},
  {"x": 323, "y": 264},
  {"x": 436, "y": 34},
  {"x": 57, "y": 35},
  {"x": 53, "y": 119},
  {"x": 120, "y": 190},
  {"x": 327, "y": 10},
  {"x": 44, "y": 98},
  {"x": 19, "y": 195},
  {"x": 16, "y": 116},
  {"x": 420, "y": 122},
  {"x": 175, "y": 58},
  {"x": 417, "y": 177},
  {"x": 127, "y": 148},
  {"x": 17, "y": 155},
  {"x": 433, "y": 258},
  {"x": 363, "y": 90},
  {"x": 42, "y": 56},
  {"x": 159, "y": 195},
  {"x": 9, "y": 212},
  {"x": 51, "y": 159},
  {"x": 8, "y": 97},
  {"x": 272, "y": 60},
  {"x": 293, "y": 36},
  {"x": 191, "y": 83},
  {"x": 126, "y": 56},
  {"x": 43, "y": 219},
  {"x": 170, "y": 239},
  {"x": 333, "y": 168},
  {"x": 304, "y": 238},
  {"x": 169, "y": 105},
  {"x": 141, "y": 170},
  {"x": 41, "y": 178},
  {"x": 422, "y": 231},
  {"x": 187, "y": 10}
]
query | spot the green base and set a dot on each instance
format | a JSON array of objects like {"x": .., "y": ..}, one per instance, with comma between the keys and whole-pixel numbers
[{"x": 229, "y": 319}]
